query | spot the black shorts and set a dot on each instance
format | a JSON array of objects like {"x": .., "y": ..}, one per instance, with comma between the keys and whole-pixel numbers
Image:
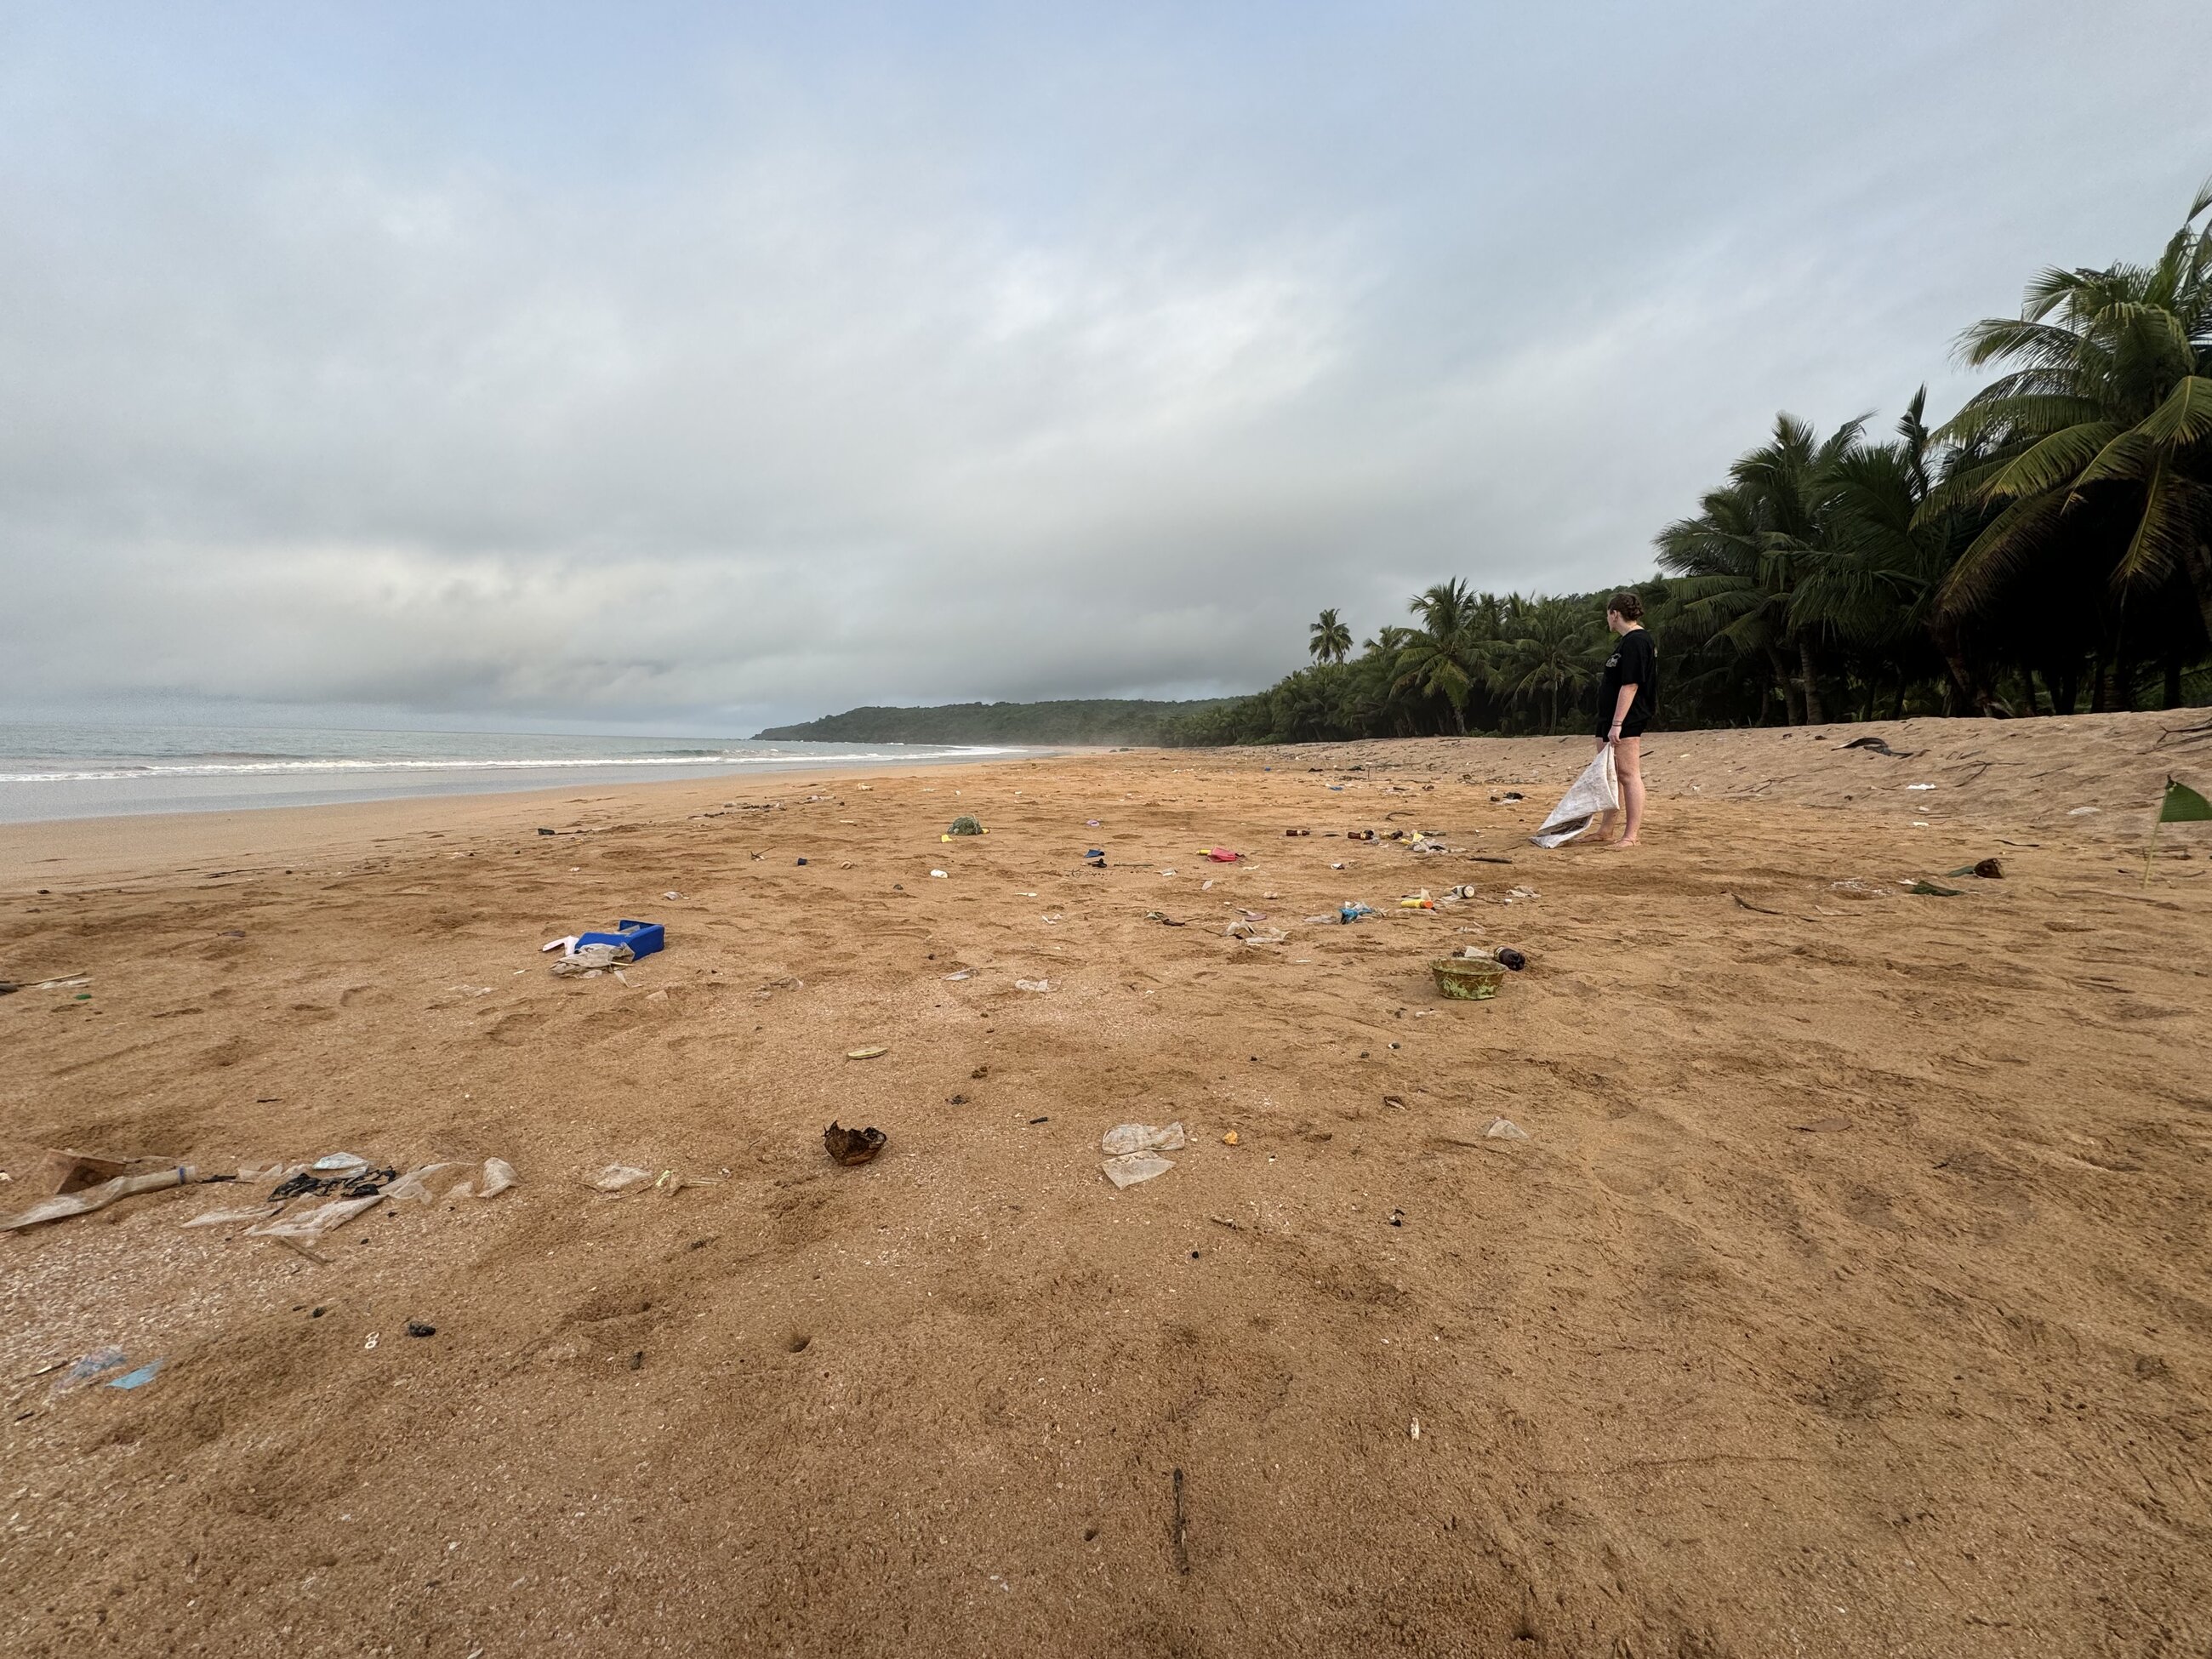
[{"x": 1628, "y": 729}]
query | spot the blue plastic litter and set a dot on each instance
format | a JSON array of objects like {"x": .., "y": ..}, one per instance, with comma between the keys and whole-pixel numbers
[
  {"x": 1353, "y": 912},
  {"x": 643, "y": 938},
  {"x": 140, "y": 1377},
  {"x": 1096, "y": 853},
  {"x": 94, "y": 1365}
]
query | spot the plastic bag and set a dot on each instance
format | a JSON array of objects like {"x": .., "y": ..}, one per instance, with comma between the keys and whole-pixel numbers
[
  {"x": 415, "y": 1184},
  {"x": 99, "y": 1197},
  {"x": 324, "y": 1218},
  {"x": 1134, "y": 1167},
  {"x": 1598, "y": 790},
  {"x": 1142, "y": 1138}
]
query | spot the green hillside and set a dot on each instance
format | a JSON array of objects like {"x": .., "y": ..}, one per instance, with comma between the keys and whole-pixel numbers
[{"x": 1072, "y": 720}]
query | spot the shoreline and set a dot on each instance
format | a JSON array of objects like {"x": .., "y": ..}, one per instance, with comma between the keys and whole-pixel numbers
[
  {"x": 180, "y": 788},
  {"x": 41, "y": 852}
]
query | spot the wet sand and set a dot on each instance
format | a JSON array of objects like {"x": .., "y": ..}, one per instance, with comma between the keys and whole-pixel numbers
[{"x": 1847, "y": 1296}]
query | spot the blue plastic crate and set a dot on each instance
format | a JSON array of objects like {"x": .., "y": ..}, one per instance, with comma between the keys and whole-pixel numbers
[{"x": 643, "y": 938}]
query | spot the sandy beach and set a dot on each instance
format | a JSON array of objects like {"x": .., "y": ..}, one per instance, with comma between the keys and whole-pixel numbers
[{"x": 1847, "y": 1295}]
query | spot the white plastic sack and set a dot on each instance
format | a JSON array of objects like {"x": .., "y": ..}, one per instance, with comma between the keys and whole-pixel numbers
[
  {"x": 1598, "y": 790},
  {"x": 322, "y": 1219}
]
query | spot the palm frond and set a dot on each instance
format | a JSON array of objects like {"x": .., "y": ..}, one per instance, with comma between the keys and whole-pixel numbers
[
  {"x": 2056, "y": 459},
  {"x": 2185, "y": 416},
  {"x": 2164, "y": 533},
  {"x": 2003, "y": 546}
]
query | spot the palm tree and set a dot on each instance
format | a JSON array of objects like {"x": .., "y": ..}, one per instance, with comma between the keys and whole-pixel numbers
[
  {"x": 1745, "y": 551},
  {"x": 1442, "y": 659},
  {"x": 1548, "y": 648},
  {"x": 2110, "y": 406},
  {"x": 1331, "y": 641}
]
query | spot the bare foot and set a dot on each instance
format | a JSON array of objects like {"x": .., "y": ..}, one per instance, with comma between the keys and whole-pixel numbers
[{"x": 1618, "y": 845}]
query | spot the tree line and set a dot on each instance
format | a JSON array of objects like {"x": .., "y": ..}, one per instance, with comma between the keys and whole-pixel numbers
[{"x": 2047, "y": 548}]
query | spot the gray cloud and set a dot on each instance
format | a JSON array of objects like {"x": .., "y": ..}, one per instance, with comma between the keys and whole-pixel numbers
[{"x": 725, "y": 374}]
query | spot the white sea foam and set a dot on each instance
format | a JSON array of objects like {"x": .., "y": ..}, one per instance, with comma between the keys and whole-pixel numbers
[{"x": 340, "y": 767}]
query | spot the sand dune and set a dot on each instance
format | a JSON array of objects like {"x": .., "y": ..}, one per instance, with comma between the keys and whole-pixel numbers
[{"x": 1848, "y": 1296}]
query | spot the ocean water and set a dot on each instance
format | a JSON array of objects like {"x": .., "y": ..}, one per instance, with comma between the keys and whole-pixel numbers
[{"x": 62, "y": 770}]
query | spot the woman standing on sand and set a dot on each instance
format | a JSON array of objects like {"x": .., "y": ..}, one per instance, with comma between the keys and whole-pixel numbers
[{"x": 1628, "y": 695}]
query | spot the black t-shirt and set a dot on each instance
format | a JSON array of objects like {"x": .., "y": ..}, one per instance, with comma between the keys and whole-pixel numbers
[{"x": 1634, "y": 661}]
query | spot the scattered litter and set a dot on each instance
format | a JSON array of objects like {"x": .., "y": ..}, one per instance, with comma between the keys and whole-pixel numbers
[
  {"x": 1297, "y": 832},
  {"x": 1510, "y": 794},
  {"x": 498, "y": 1176},
  {"x": 666, "y": 896},
  {"x": 1253, "y": 934},
  {"x": 332, "y": 1163},
  {"x": 230, "y": 1217},
  {"x": 1519, "y": 894},
  {"x": 1504, "y": 1128},
  {"x": 1223, "y": 855},
  {"x": 965, "y": 824},
  {"x": 90, "y": 1368},
  {"x": 1229, "y": 1139},
  {"x": 851, "y": 1146},
  {"x": 872, "y": 1052},
  {"x": 590, "y": 961},
  {"x": 326, "y": 1217},
  {"x": 1419, "y": 901},
  {"x": 966, "y": 973},
  {"x": 802, "y": 860},
  {"x": 1880, "y": 748},
  {"x": 1396, "y": 1102},
  {"x": 1126, "y": 1138},
  {"x": 1510, "y": 958},
  {"x": 1824, "y": 1126},
  {"x": 1164, "y": 918},
  {"x": 1929, "y": 890},
  {"x": 63, "y": 1206},
  {"x": 1468, "y": 980},
  {"x": 1919, "y": 786},
  {"x": 1132, "y": 1152},
  {"x": 1416, "y": 1429},
  {"x": 416, "y": 1327},
  {"x": 2082, "y": 811},
  {"x": 1032, "y": 985},
  {"x": 639, "y": 938},
  {"x": 1465, "y": 890},
  {"x": 939, "y": 875},
  {"x": 140, "y": 1377},
  {"x": 1135, "y": 1167},
  {"x": 1353, "y": 911},
  {"x": 1987, "y": 869},
  {"x": 1222, "y": 1221},
  {"x": 620, "y": 1178}
]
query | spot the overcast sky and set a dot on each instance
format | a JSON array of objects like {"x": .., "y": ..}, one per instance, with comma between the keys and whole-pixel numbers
[{"x": 696, "y": 366}]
